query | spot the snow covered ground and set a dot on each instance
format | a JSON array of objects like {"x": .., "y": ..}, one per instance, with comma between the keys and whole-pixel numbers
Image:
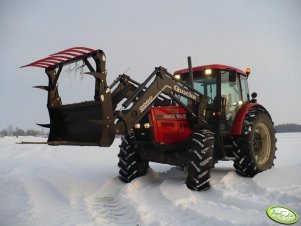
[{"x": 43, "y": 185}]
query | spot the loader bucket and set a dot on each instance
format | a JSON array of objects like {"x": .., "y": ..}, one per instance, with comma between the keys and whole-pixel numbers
[
  {"x": 85, "y": 123},
  {"x": 74, "y": 124}
]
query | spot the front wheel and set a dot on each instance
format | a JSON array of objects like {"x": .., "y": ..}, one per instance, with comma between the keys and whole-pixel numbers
[
  {"x": 200, "y": 151},
  {"x": 255, "y": 148},
  {"x": 130, "y": 164}
]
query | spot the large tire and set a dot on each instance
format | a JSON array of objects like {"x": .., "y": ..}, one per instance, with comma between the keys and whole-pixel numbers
[
  {"x": 200, "y": 151},
  {"x": 255, "y": 148},
  {"x": 130, "y": 164}
]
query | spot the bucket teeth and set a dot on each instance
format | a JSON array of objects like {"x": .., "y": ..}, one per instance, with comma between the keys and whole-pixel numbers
[
  {"x": 42, "y": 87},
  {"x": 44, "y": 125}
]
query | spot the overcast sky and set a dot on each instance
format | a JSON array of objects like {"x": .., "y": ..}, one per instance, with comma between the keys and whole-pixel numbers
[{"x": 140, "y": 35}]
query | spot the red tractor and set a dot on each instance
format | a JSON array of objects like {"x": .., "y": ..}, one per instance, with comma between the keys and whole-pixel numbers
[{"x": 192, "y": 118}]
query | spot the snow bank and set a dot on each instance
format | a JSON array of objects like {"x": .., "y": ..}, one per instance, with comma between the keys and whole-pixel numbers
[{"x": 65, "y": 185}]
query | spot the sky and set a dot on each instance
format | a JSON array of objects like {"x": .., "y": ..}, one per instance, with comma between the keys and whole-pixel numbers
[{"x": 139, "y": 35}]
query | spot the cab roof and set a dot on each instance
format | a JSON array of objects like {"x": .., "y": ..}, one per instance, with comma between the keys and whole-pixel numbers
[{"x": 210, "y": 66}]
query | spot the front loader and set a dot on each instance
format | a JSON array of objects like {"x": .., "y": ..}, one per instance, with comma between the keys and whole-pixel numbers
[{"x": 192, "y": 118}]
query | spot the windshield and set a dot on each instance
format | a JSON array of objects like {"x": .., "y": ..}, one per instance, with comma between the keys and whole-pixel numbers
[{"x": 205, "y": 84}]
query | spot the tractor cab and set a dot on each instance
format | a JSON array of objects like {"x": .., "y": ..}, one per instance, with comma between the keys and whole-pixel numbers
[{"x": 226, "y": 89}]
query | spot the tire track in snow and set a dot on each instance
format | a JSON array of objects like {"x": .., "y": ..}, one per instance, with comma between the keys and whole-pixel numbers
[
  {"x": 247, "y": 191},
  {"x": 204, "y": 207},
  {"x": 26, "y": 187},
  {"x": 150, "y": 194},
  {"x": 232, "y": 199},
  {"x": 23, "y": 213},
  {"x": 145, "y": 195},
  {"x": 247, "y": 194},
  {"x": 108, "y": 206},
  {"x": 43, "y": 193},
  {"x": 79, "y": 214},
  {"x": 163, "y": 199}
]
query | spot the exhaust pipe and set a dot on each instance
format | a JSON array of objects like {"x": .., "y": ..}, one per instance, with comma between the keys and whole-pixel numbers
[{"x": 190, "y": 72}]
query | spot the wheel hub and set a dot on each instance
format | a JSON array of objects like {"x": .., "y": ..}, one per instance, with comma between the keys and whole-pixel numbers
[
  {"x": 262, "y": 143},
  {"x": 257, "y": 142}
]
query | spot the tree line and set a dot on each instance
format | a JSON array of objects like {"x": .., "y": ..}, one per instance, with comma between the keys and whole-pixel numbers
[
  {"x": 16, "y": 131},
  {"x": 288, "y": 127}
]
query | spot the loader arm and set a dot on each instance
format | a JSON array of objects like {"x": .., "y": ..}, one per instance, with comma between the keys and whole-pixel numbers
[
  {"x": 127, "y": 87},
  {"x": 161, "y": 81}
]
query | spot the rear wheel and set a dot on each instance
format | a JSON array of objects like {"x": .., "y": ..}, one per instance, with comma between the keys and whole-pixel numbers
[
  {"x": 255, "y": 148},
  {"x": 200, "y": 153},
  {"x": 130, "y": 164}
]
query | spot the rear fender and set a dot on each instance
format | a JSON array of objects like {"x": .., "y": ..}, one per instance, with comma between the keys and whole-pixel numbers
[{"x": 239, "y": 119}]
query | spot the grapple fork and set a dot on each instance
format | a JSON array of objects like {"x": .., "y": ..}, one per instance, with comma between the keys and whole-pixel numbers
[{"x": 78, "y": 123}]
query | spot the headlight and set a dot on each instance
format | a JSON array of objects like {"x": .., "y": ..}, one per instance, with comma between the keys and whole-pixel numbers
[
  {"x": 146, "y": 125},
  {"x": 177, "y": 77},
  {"x": 208, "y": 72},
  {"x": 137, "y": 126}
]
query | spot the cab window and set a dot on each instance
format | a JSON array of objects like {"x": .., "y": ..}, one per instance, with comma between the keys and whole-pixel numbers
[{"x": 205, "y": 84}]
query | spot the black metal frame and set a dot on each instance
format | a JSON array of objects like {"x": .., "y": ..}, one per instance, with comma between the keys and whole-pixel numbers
[{"x": 101, "y": 117}]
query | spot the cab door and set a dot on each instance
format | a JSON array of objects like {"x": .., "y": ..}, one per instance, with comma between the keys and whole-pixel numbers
[{"x": 231, "y": 99}]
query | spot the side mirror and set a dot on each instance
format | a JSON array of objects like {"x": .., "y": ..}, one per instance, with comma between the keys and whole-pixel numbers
[
  {"x": 232, "y": 76},
  {"x": 254, "y": 95}
]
